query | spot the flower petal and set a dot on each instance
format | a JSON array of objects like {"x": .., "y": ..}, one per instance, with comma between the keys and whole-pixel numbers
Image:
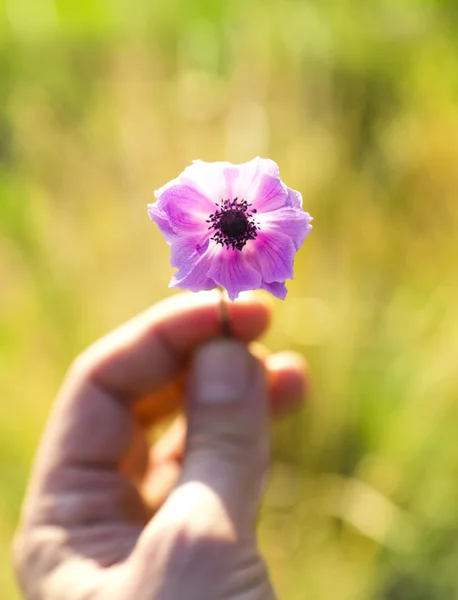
[
  {"x": 196, "y": 277},
  {"x": 235, "y": 271},
  {"x": 292, "y": 222},
  {"x": 274, "y": 255},
  {"x": 231, "y": 175},
  {"x": 259, "y": 178},
  {"x": 185, "y": 251},
  {"x": 185, "y": 204},
  {"x": 259, "y": 165},
  {"x": 210, "y": 179},
  {"x": 161, "y": 219},
  {"x": 294, "y": 198},
  {"x": 186, "y": 208},
  {"x": 271, "y": 194},
  {"x": 276, "y": 288}
]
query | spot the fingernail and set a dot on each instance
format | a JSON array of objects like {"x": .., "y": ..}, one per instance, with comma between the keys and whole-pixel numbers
[{"x": 221, "y": 372}]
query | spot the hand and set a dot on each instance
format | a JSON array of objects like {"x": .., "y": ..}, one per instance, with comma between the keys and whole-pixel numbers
[{"x": 108, "y": 517}]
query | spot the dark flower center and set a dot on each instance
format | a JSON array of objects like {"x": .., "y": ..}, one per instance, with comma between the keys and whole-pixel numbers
[{"x": 233, "y": 224}]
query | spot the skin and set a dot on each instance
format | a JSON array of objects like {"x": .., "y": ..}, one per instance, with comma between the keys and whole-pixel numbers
[{"x": 108, "y": 515}]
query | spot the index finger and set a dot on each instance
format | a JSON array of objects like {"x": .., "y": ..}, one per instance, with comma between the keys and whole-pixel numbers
[{"x": 149, "y": 351}]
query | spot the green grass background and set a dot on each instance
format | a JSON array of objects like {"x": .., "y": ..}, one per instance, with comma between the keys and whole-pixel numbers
[{"x": 103, "y": 101}]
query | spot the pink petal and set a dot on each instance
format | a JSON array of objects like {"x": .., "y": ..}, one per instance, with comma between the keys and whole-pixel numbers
[
  {"x": 210, "y": 179},
  {"x": 235, "y": 271},
  {"x": 269, "y": 166},
  {"x": 271, "y": 194},
  {"x": 294, "y": 198},
  {"x": 292, "y": 222},
  {"x": 161, "y": 219},
  {"x": 185, "y": 204},
  {"x": 194, "y": 276},
  {"x": 259, "y": 165},
  {"x": 276, "y": 288},
  {"x": 186, "y": 208},
  {"x": 251, "y": 171},
  {"x": 231, "y": 175},
  {"x": 250, "y": 184},
  {"x": 185, "y": 251},
  {"x": 274, "y": 254}
]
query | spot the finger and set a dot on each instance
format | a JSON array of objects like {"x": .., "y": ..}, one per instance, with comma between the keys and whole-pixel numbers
[
  {"x": 288, "y": 378},
  {"x": 92, "y": 425},
  {"x": 289, "y": 381},
  {"x": 159, "y": 482},
  {"x": 164, "y": 466},
  {"x": 289, "y": 386},
  {"x": 149, "y": 351},
  {"x": 259, "y": 350},
  {"x": 227, "y": 444},
  {"x": 135, "y": 463},
  {"x": 143, "y": 461},
  {"x": 155, "y": 407},
  {"x": 170, "y": 445}
]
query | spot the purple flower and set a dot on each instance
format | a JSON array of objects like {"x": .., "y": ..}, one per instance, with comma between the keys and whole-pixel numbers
[{"x": 235, "y": 226}]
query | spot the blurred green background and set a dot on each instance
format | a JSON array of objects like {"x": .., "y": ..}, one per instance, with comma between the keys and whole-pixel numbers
[{"x": 103, "y": 101}]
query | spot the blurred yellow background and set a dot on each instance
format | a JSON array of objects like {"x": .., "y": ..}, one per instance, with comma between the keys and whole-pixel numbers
[{"x": 103, "y": 101}]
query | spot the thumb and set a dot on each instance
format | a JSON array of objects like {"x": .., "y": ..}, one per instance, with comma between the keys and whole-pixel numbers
[
  {"x": 201, "y": 543},
  {"x": 228, "y": 427}
]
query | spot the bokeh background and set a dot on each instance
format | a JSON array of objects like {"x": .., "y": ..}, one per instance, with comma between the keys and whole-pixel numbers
[{"x": 103, "y": 101}]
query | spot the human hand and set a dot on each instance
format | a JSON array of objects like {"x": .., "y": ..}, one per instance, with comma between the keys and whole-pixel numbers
[{"x": 108, "y": 517}]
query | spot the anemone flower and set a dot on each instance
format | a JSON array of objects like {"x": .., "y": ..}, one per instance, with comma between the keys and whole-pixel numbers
[{"x": 234, "y": 226}]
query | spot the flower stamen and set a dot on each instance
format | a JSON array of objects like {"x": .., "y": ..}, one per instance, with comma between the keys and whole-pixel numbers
[{"x": 233, "y": 224}]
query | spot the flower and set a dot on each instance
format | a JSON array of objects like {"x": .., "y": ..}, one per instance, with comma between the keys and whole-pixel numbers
[{"x": 234, "y": 226}]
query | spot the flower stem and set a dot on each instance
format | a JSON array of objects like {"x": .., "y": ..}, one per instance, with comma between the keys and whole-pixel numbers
[{"x": 224, "y": 314}]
